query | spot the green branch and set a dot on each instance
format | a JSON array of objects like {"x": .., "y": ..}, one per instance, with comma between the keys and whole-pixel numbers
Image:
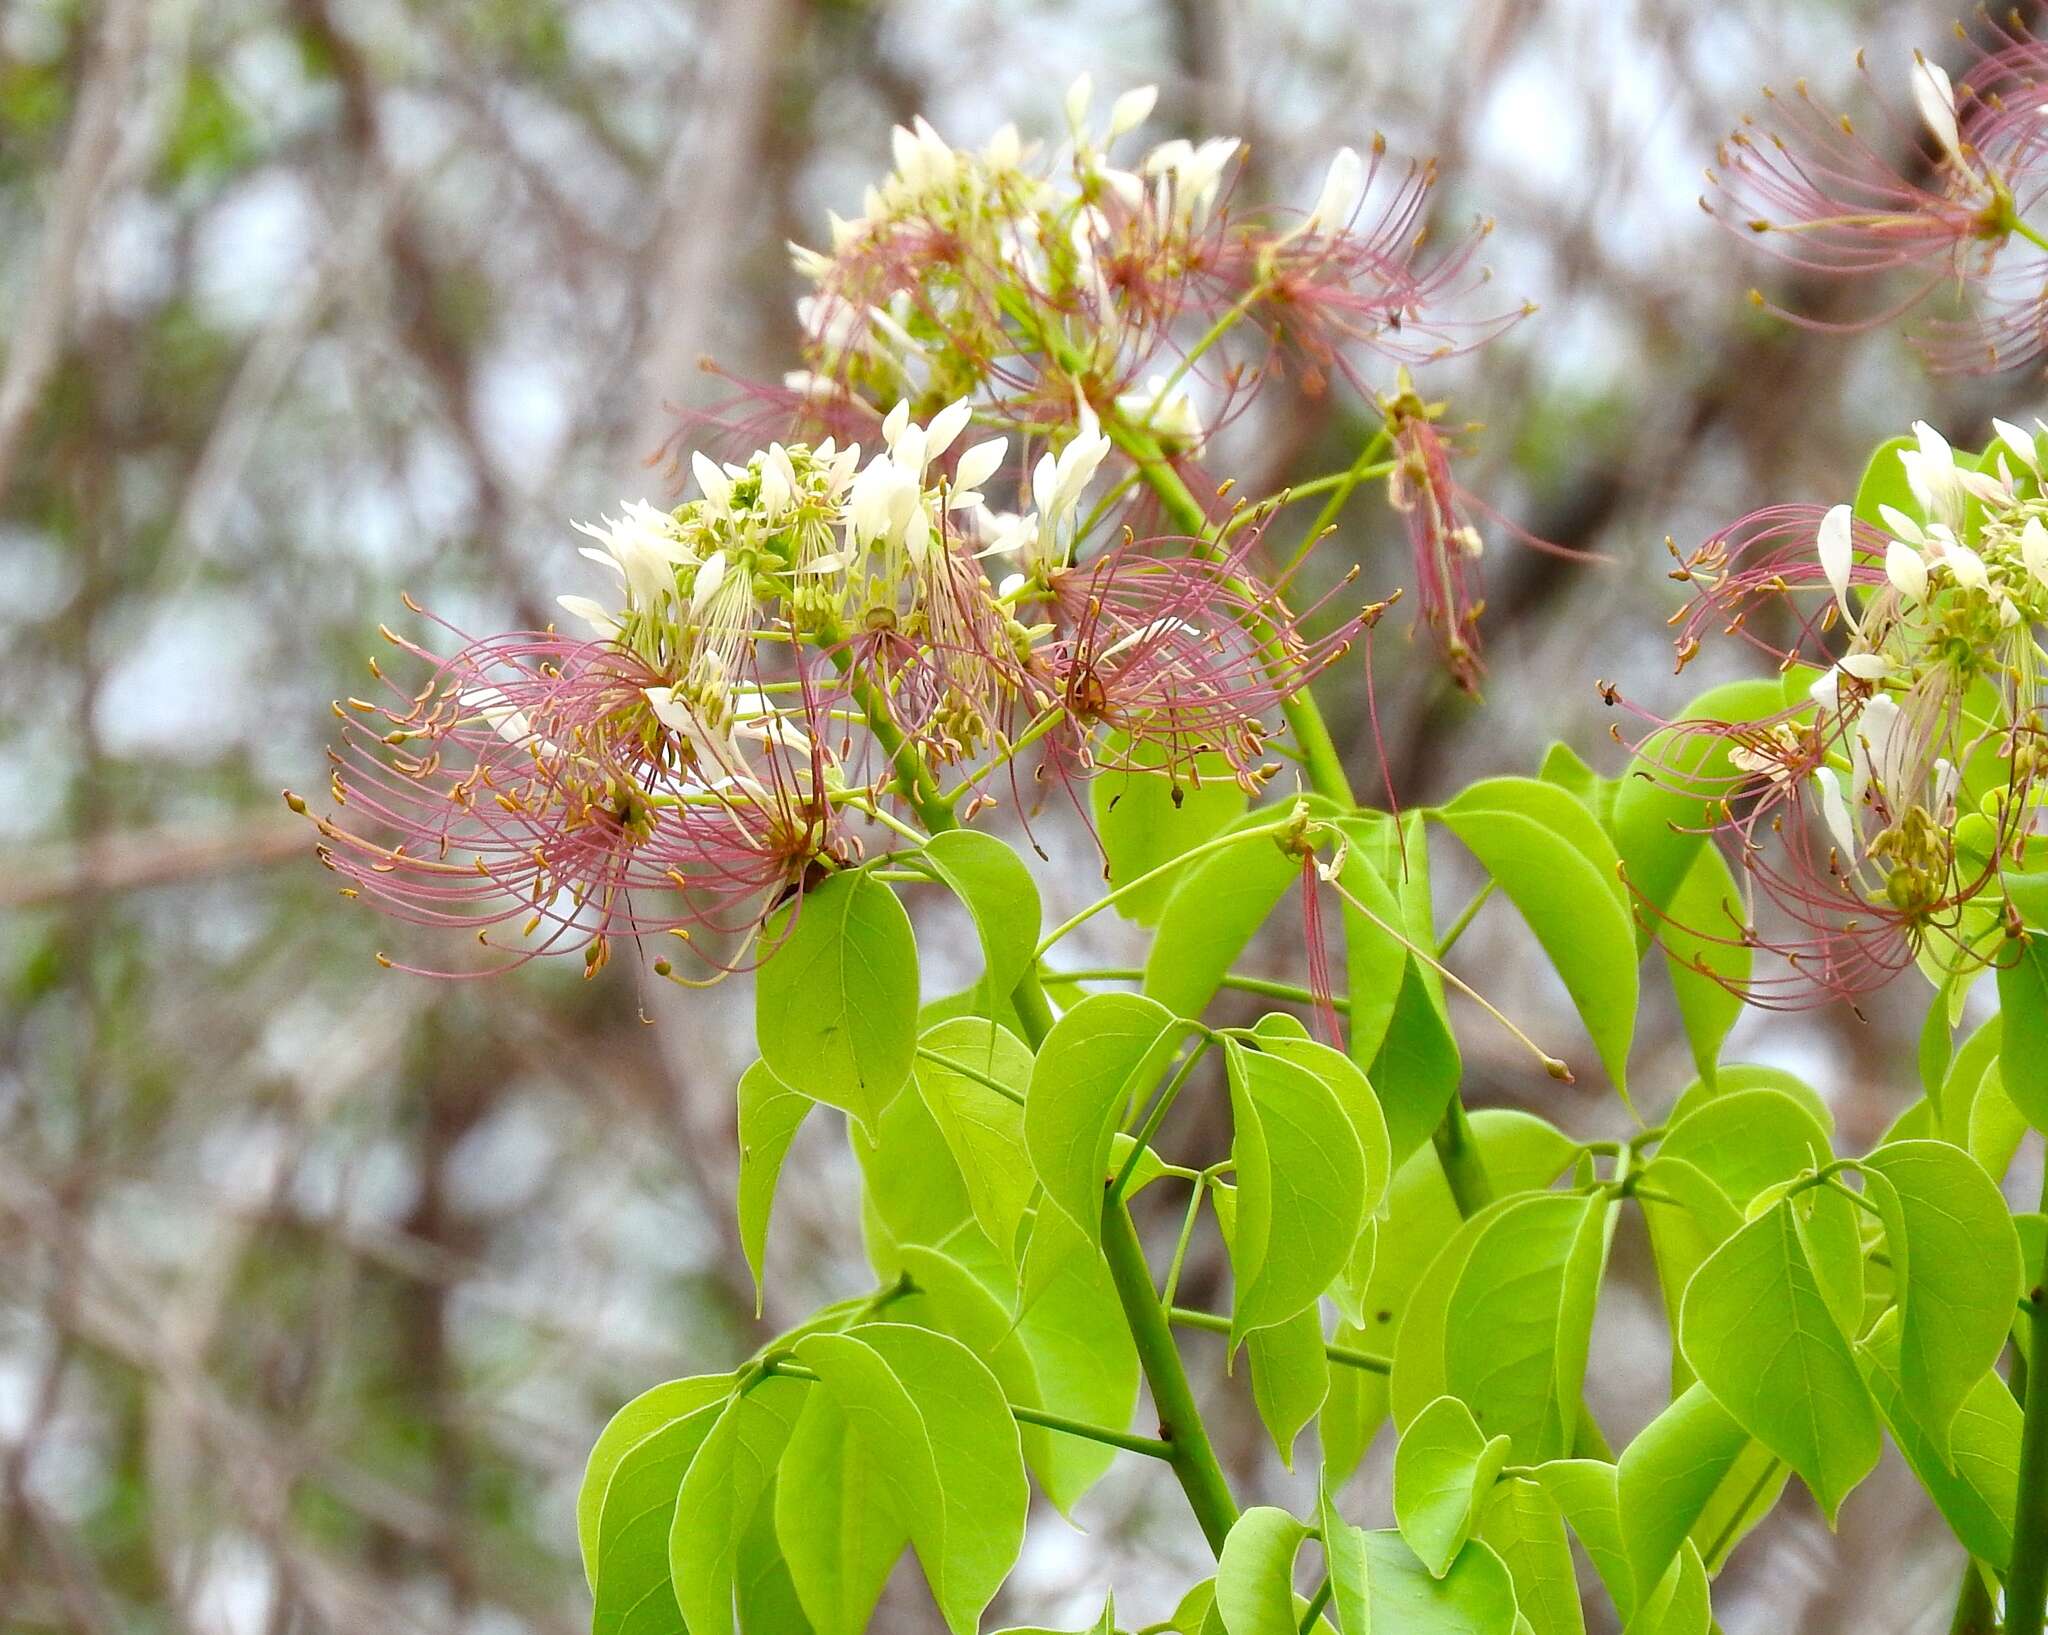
[
  {"x": 2026, "y": 1584},
  {"x": 1180, "y": 1421}
]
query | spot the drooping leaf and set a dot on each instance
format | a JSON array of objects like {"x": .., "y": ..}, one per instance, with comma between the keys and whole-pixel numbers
[
  {"x": 1300, "y": 1186},
  {"x": 769, "y": 1116},
  {"x": 835, "y": 1007},
  {"x": 1525, "y": 1528},
  {"x": 1520, "y": 1152},
  {"x": 1680, "y": 1603},
  {"x": 936, "y": 1437},
  {"x": 653, "y": 1438},
  {"x": 997, "y": 890},
  {"x": 1757, "y": 1329},
  {"x": 1255, "y": 1573},
  {"x": 1669, "y": 1474},
  {"x": 1376, "y": 951},
  {"x": 1520, "y": 1319},
  {"x": 982, "y": 1127},
  {"x": 1108, "y": 1049},
  {"x": 1218, "y": 904},
  {"x": 1558, "y": 867},
  {"x": 1444, "y": 1467},
  {"x": 839, "y": 1544},
  {"x": 2023, "y": 1010},
  {"x": 1955, "y": 1271},
  {"x": 1290, "y": 1368},
  {"x": 1587, "y": 1493},
  {"x": 1705, "y": 956},
  {"x": 1973, "y": 1477},
  {"x": 764, "y": 1593},
  {"x": 1476, "y": 1597},
  {"x": 1342, "y": 1077},
  {"x": 713, "y": 1514},
  {"x": 1145, "y": 819},
  {"x": 911, "y": 1190}
]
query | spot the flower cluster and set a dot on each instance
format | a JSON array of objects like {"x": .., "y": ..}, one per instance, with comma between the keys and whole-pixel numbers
[
  {"x": 811, "y": 637},
  {"x": 1022, "y": 277},
  {"x": 1875, "y": 808},
  {"x": 1949, "y": 204}
]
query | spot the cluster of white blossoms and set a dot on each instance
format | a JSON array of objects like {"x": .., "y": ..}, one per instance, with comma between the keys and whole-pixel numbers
[{"x": 814, "y": 543}]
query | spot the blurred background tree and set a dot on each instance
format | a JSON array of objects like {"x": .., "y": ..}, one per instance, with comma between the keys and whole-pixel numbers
[{"x": 317, "y": 1280}]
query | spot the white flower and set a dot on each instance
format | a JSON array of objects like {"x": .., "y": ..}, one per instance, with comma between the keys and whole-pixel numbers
[
  {"x": 641, "y": 545},
  {"x": 1834, "y": 810},
  {"x": 1058, "y": 482},
  {"x": 592, "y": 614},
  {"x": 2034, "y": 549},
  {"x": 1907, "y": 570},
  {"x": 1079, "y": 95},
  {"x": 705, "y": 586},
  {"x": 2020, "y": 441},
  {"x": 1935, "y": 98},
  {"x": 1866, "y": 666},
  {"x": 1343, "y": 192},
  {"x": 1871, "y": 752},
  {"x": 1164, "y": 408},
  {"x": 1131, "y": 110},
  {"x": 713, "y": 484},
  {"x": 1837, "y": 555},
  {"x": 974, "y": 468},
  {"x": 1966, "y": 566},
  {"x": 1191, "y": 176},
  {"x": 1931, "y": 475}
]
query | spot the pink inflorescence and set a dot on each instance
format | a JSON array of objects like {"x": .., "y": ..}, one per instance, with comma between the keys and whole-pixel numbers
[{"x": 1942, "y": 202}]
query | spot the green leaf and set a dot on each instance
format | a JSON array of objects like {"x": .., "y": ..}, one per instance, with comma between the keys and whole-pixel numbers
[
  {"x": 1668, "y": 1475},
  {"x": 1217, "y": 906},
  {"x": 1587, "y": 1493},
  {"x": 1444, "y": 1468},
  {"x": 1520, "y": 1319},
  {"x": 982, "y": 1128},
  {"x": 1099, "y": 1058},
  {"x": 1476, "y": 1597},
  {"x": 1689, "y": 1217},
  {"x": 997, "y": 890},
  {"x": 1525, "y": 1528},
  {"x": 940, "y": 1449},
  {"x": 727, "y": 1481},
  {"x": 769, "y": 1115},
  {"x": 835, "y": 1004},
  {"x": 1705, "y": 956},
  {"x": 2023, "y": 1007},
  {"x": 1666, "y": 803},
  {"x": 1072, "y": 1324},
  {"x": 1147, "y": 819},
  {"x": 1884, "y": 483},
  {"x": 1758, "y": 1332},
  {"x": 1955, "y": 1268},
  {"x": 1972, "y": 1474},
  {"x": 1255, "y": 1573},
  {"x": 1343, "y": 1079},
  {"x": 1681, "y": 1603},
  {"x": 645, "y": 1449},
  {"x": 1418, "y": 1066},
  {"x": 1559, "y": 868},
  {"x": 763, "y": 1590},
  {"x": 1521, "y": 1153},
  {"x": 911, "y": 1189},
  {"x": 1348, "y": 1565},
  {"x": 1290, "y": 1368},
  {"x": 1565, "y": 767},
  {"x": 839, "y": 1544},
  {"x": 1301, "y": 1187},
  {"x": 1376, "y": 959}
]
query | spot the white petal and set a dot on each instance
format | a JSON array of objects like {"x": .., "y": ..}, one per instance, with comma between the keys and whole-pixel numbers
[
  {"x": 1837, "y": 553},
  {"x": 591, "y": 613},
  {"x": 1907, "y": 571},
  {"x": 1967, "y": 566},
  {"x": 1834, "y": 810},
  {"x": 1342, "y": 185},
  {"x": 946, "y": 425},
  {"x": 1902, "y": 525},
  {"x": 1866, "y": 666},
  {"x": 2034, "y": 549},
  {"x": 1132, "y": 109},
  {"x": 2020, "y": 441},
  {"x": 1935, "y": 98},
  {"x": 980, "y": 463},
  {"x": 1079, "y": 95}
]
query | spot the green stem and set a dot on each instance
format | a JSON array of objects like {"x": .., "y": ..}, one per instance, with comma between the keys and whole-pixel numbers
[
  {"x": 1216, "y": 1323},
  {"x": 1290, "y": 991},
  {"x": 1151, "y": 1446},
  {"x": 1466, "y": 916},
  {"x": 1033, "y": 1009},
  {"x": 1315, "y": 1608},
  {"x": 1154, "y": 1119},
  {"x": 2026, "y": 1584},
  {"x": 1319, "y": 755},
  {"x": 1180, "y": 1421},
  {"x": 913, "y": 777},
  {"x": 985, "y": 1080}
]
